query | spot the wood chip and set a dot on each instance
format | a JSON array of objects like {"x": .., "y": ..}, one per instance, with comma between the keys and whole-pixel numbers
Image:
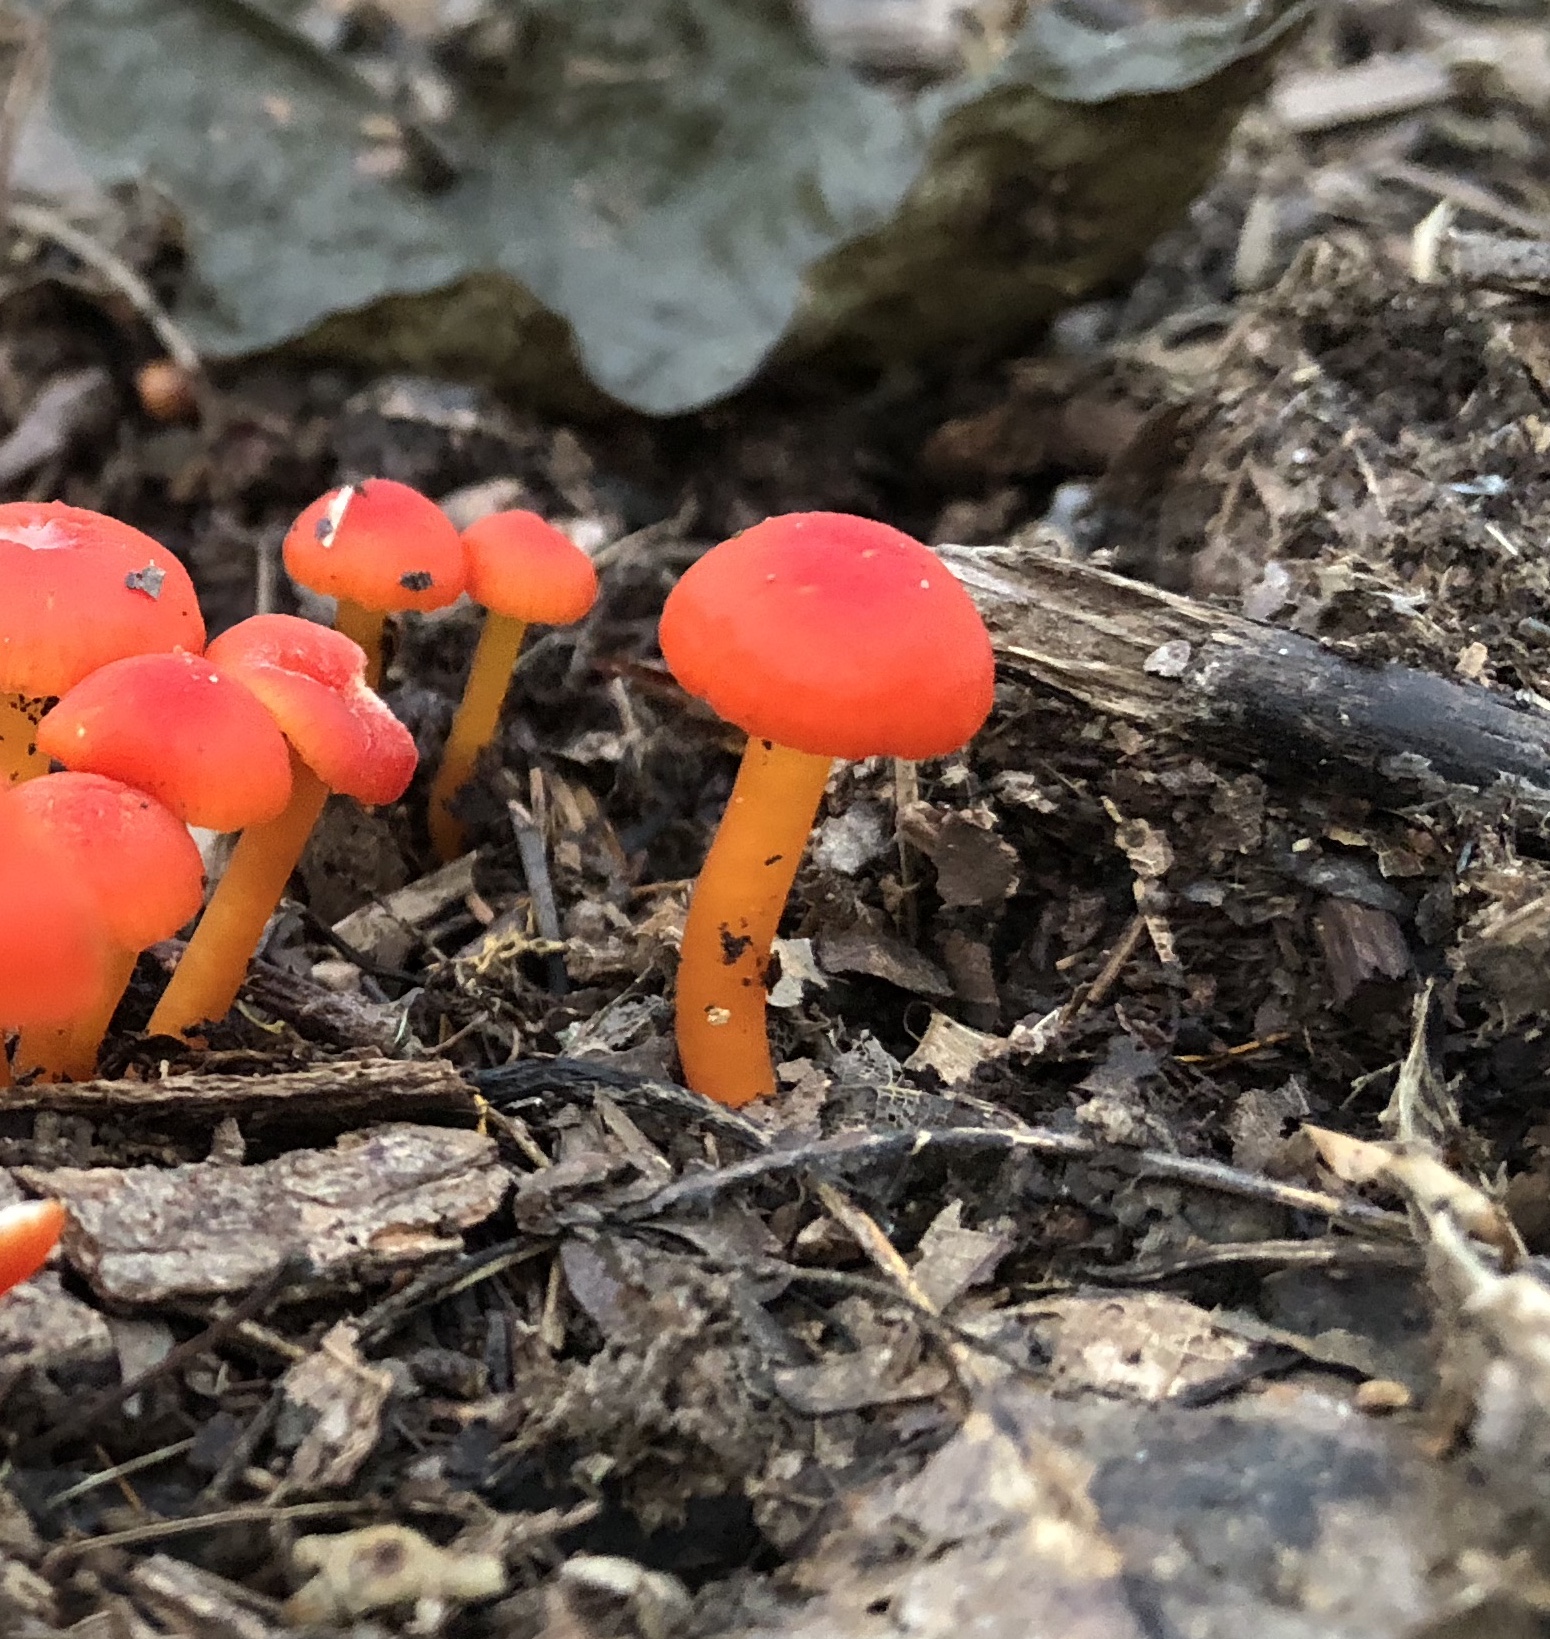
[{"x": 1376, "y": 89}]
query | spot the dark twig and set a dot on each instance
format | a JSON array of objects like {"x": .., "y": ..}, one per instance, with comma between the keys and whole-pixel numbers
[
  {"x": 849, "y": 1153},
  {"x": 175, "y": 1359}
]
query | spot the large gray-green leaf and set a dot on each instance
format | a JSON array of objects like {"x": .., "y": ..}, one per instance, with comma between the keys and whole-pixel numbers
[{"x": 675, "y": 186}]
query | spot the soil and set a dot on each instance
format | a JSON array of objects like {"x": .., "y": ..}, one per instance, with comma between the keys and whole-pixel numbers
[{"x": 1087, "y": 1275}]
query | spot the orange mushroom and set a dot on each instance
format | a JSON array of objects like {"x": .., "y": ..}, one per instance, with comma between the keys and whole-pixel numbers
[
  {"x": 524, "y": 571},
  {"x": 342, "y": 738},
  {"x": 822, "y": 636},
  {"x": 77, "y": 590},
  {"x": 376, "y": 547},
  {"x": 140, "y": 864},
  {"x": 53, "y": 956}
]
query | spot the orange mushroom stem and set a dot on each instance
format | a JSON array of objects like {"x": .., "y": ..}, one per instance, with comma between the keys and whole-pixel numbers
[
  {"x": 213, "y": 965},
  {"x": 473, "y": 727},
  {"x": 733, "y": 918},
  {"x": 20, "y": 758},
  {"x": 365, "y": 627},
  {"x": 523, "y": 570}
]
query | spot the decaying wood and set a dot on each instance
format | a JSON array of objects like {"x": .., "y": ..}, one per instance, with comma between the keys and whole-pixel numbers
[
  {"x": 348, "y": 1092},
  {"x": 389, "y": 1198},
  {"x": 1252, "y": 693}
]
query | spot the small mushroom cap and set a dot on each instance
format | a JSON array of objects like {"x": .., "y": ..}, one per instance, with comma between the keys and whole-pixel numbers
[
  {"x": 833, "y": 635},
  {"x": 29, "y": 1232},
  {"x": 380, "y": 544},
  {"x": 179, "y": 728},
  {"x": 134, "y": 856},
  {"x": 77, "y": 590},
  {"x": 522, "y": 567},
  {"x": 53, "y": 951},
  {"x": 313, "y": 680}
]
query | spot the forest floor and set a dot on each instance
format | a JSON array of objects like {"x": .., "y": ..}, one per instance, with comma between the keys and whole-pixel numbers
[{"x": 1146, "y": 1237}]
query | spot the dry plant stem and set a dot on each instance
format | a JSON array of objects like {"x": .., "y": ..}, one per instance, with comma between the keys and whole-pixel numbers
[
  {"x": 733, "y": 915},
  {"x": 363, "y": 626},
  {"x": 19, "y": 756},
  {"x": 478, "y": 716},
  {"x": 210, "y": 974},
  {"x": 69, "y": 1052}
]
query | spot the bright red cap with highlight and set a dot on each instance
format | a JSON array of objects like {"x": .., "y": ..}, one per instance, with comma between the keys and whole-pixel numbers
[
  {"x": 77, "y": 590},
  {"x": 313, "y": 680},
  {"x": 524, "y": 568},
  {"x": 53, "y": 952},
  {"x": 380, "y": 544},
  {"x": 135, "y": 856},
  {"x": 181, "y": 729},
  {"x": 833, "y": 635}
]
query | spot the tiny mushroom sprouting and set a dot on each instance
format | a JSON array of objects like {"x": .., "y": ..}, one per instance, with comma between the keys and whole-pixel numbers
[
  {"x": 77, "y": 590},
  {"x": 376, "y": 547},
  {"x": 342, "y": 737},
  {"x": 524, "y": 571},
  {"x": 822, "y": 636},
  {"x": 53, "y": 953},
  {"x": 139, "y": 862},
  {"x": 29, "y": 1232}
]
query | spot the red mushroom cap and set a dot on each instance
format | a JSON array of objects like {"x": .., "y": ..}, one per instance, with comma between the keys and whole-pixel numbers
[
  {"x": 313, "y": 680},
  {"x": 522, "y": 567},
  {"x": 78, "y": 590},
  {"x": 380, "y": 544},
  {"x": 53, "y": 952},
  {"x": 29, "y": 1232},
  {"x": 133, "y": 855},
  {"x": 832, "y": 635},
  {"x": 181, "y": 729}
]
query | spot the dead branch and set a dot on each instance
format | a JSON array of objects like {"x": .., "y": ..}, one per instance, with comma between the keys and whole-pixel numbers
[{"x": 1256, "y": 694}]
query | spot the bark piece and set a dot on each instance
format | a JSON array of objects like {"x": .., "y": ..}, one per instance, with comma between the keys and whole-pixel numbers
[
  {"x": 189, "y": 1600},
  {"x": 355, "y": 1091},
  {"x": 1359, "y": 943},
  {"x": 337, "y": 1400},
  {"x": 377, "y": 1200}
]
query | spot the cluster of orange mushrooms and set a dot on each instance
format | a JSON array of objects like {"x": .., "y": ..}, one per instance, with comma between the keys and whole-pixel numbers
[{"x": 822, "y": 636}]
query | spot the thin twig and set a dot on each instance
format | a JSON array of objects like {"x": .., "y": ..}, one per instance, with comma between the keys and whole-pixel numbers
[
  {"x": 99, "y": 1405},
  {"x": 535, "y": 870},
  {"x": 116, "y": 272},
  {"x": 244, "y": 1514},
  {"x": 848, "y": 1153},
  {"x": 110, "y": 1476}
]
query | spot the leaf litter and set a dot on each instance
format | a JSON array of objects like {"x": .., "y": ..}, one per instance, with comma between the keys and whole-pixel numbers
[{"x": 1148, "y": 1234}]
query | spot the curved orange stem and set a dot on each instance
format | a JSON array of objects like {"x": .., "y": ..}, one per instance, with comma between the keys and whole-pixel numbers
[
  {"x": 214, "y": 964},
  {"x": 69, "y": 1052},
  {"x": 478, "y": 717},
  {"x": 364, "y": 626},
  {"x": 733, "y": 916},
  {"x": 29, "y": 1231},
  {"x": 20, "y": 758}
]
